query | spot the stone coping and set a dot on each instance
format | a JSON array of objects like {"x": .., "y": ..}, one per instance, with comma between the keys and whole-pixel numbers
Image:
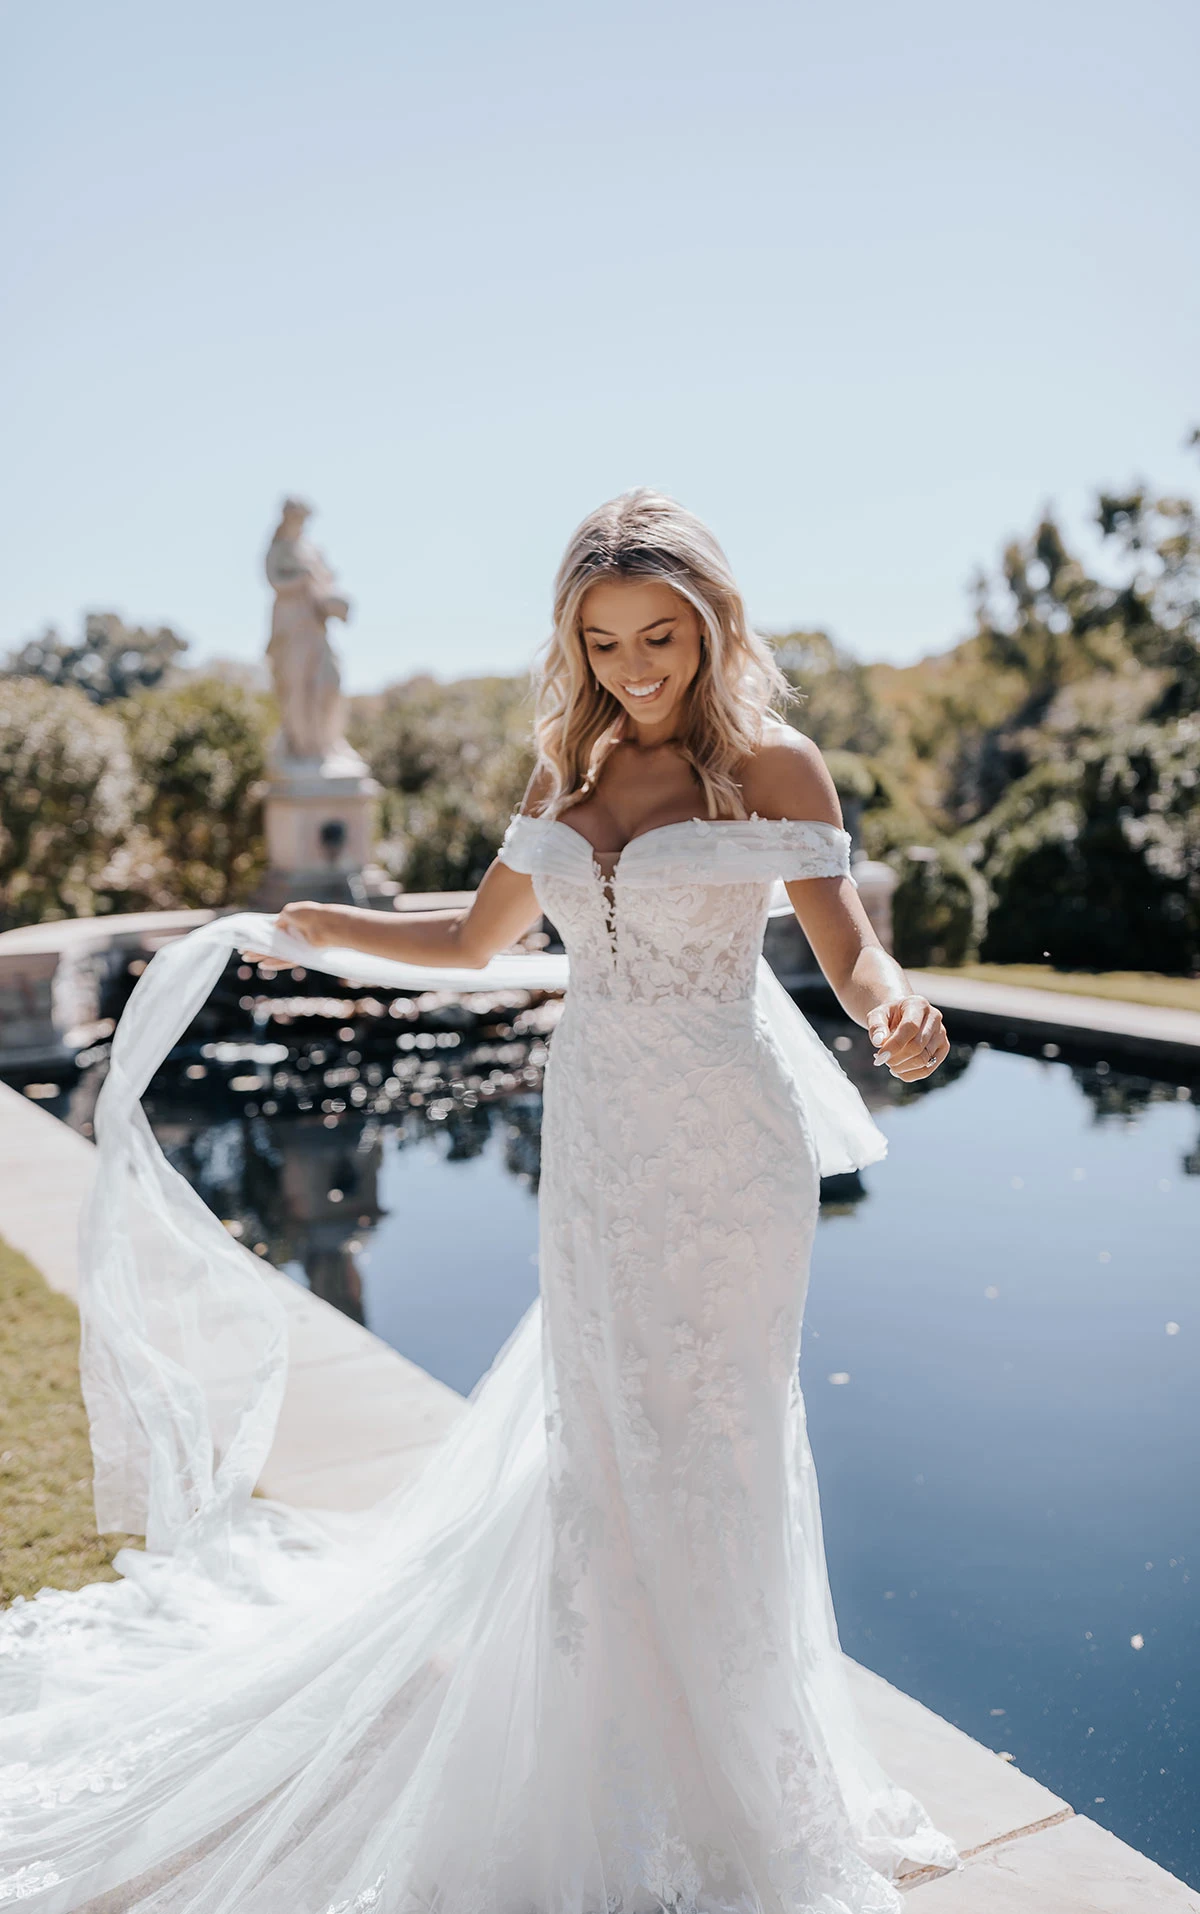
[
  {"x": 72, "y": 933},
  {"x": 1160, "y": 1032},
  {"x": 358, "y": 1419}
]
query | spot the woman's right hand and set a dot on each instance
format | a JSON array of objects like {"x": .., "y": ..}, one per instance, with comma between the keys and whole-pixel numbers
[{"x": 311, "y": 923}]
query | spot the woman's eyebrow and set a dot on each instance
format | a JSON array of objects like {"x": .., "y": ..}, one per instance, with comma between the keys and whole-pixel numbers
[{"x": 598, "y": 631}]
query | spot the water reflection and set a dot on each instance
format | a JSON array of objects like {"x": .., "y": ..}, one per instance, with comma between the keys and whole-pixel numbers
[
  {"x": 297, "y": 1177},
  {"x": 1008, "y": 1456},
  {"x": 280, "y": 1129}
]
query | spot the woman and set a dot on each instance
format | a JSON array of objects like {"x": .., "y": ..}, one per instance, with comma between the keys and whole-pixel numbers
[{"x": 588, "y": 1665}]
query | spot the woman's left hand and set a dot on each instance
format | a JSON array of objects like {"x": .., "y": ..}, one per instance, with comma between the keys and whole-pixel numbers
[{"x": 909, "y": 1037}]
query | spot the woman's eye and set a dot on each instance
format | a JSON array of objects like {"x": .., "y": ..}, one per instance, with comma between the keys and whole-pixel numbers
[
  {"x": 603, "y": 648},
  {"x": 661, "y": 641}
]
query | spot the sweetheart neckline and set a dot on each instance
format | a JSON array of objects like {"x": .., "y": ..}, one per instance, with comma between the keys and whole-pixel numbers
[{"x": 656, "y": 830}]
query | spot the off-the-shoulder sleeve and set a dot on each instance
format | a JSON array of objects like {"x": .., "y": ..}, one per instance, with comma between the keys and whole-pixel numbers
[
  {"x": 764, "y": 848},
  {"x": 520, "y": 842},
  {"x": 808, "y": 849}
]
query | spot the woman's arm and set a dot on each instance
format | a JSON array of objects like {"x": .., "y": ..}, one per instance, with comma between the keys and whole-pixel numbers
[
  {"x": 789, "y": 778},
  {"x": 502, "y": 910}
]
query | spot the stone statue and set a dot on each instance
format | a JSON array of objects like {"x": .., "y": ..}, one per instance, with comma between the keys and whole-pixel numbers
[
  {"x": 304, "y": 669},
  {"x": 319, "y": 797}
]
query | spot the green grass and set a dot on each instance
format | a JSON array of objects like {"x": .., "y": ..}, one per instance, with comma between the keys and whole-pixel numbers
[
  {"x": 1126, "y": 986},
  {"x": 48, "y": 1533}
]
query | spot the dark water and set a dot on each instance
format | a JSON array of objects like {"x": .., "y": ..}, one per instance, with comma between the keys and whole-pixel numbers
[
  {"x": 1010, "y": 1476},
  {"x": 1001, "y": 1359}
]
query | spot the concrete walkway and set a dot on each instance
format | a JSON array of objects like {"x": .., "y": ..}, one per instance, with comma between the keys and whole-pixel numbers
[
  {"x": 1168, "y": 1036},
  {"x": 358, "y": 1419}
]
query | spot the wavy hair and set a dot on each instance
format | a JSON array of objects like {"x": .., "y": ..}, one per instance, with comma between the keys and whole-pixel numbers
[{"x": 643, "y": 534}]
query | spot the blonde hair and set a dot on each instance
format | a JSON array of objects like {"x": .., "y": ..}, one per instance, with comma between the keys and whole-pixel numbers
[{"x": 643, "y": 534}]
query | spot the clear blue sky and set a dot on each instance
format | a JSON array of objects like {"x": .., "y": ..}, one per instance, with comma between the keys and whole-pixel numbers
[{"x": 863, "y": 285}]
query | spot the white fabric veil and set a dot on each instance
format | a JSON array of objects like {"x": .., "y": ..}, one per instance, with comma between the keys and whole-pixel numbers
[{"x": 184, "y": 1350}]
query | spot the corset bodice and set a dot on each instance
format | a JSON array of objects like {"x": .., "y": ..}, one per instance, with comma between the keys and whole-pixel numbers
[{"x": 682, "y": 913}]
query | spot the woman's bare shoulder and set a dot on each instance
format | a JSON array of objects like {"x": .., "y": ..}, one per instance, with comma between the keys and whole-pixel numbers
[{"x": 786, "y": 777}]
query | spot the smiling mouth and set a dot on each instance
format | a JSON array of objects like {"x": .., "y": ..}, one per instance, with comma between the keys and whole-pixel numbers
[{"x": 644, "y": 691}]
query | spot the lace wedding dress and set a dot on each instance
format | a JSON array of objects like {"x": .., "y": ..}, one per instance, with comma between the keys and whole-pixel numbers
[{"x": 588, "y": 1663}]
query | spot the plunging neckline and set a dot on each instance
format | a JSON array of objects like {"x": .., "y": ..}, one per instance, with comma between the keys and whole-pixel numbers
[{"x": 605, "y": 879}]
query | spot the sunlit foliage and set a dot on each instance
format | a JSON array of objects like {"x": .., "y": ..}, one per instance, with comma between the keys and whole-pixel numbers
[
  {"x": 67, "y": 795},
  {"x": 454, "y": 760},
  {"x": 110, "y": 660}
]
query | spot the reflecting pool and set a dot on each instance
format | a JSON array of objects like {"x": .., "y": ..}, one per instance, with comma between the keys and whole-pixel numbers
[{"x": 1001, "y": 1356}]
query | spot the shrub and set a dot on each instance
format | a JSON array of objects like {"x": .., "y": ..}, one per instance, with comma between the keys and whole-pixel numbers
[
  {"x": 199, "y": 750},
  {"x": 879, "y": 815},
  {"x": 66, "y": 799},
  {"x": 837, "y": 707},
  {"x": 439, "y": 843},
  {"x": 1094, "y": 862},
  {"x": 454, "y": 760},
  {"x": 939, "y": 906},
  {"x": 110, "y": 660}
]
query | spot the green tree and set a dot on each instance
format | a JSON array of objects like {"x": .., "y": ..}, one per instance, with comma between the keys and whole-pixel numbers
[
  {"x": 1093, "y": 859},
  {"x": 109, "y": 661},
  {"x": 876, "y": 810},
  {"x": 939, "y": 906},
  {"x": 454, "y": 760},
  {"x": 1158, "y": 540},
  {"x": 1049, "y": 620},
  {"x": 66, "y": 800},
  {"x": 836, "y": 706},
  {"x": 199, "y": 751},
  {"x": 1060, "y": 658}
]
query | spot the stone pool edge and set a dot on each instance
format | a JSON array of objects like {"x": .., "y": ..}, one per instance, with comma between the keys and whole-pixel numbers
[
  {"x": 358, "y": 1419},
  {"x": 1159, "y": 1034}
]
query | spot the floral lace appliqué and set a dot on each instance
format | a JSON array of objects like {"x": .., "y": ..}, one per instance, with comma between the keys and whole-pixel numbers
[
  {"x": 363, "y": 1903},
  {"x": 26, "y": 1882}
]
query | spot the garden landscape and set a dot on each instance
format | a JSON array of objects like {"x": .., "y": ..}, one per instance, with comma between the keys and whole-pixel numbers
[
  {"x": 576, "y": 1337},
  {"x": 1031, "y": 794},
  {"x": 1035, "y": 786}
]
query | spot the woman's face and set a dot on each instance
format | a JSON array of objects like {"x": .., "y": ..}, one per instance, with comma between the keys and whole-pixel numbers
[{"x": 643, "y": 644}]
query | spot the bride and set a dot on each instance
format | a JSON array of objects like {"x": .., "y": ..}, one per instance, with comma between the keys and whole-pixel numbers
[{"x": 587, "y": 1664}]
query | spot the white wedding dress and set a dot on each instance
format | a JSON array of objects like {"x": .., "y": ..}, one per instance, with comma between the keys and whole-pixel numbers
[{"x": 588, "y": 1663}]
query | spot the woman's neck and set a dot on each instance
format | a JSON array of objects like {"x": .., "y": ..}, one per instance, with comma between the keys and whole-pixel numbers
[{"x": 648, "y": 737}]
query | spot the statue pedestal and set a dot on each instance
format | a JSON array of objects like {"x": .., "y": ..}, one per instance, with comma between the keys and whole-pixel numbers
[{"x": 318, "y": 818}]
